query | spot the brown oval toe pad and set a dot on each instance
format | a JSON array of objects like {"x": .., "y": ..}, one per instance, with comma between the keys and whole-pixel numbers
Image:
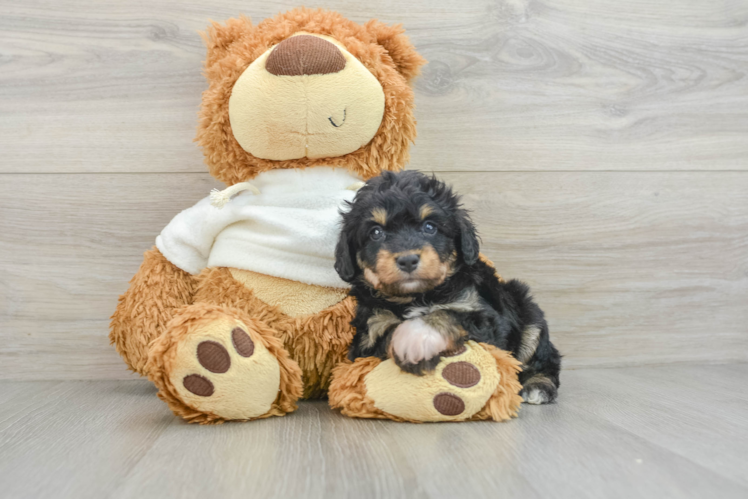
[
  {"x": 448, "y": 404},
  {"x": 242, "y": 342},
  {"x": 198, "y": 385},
  {"x": 213, "y": 356},
  {"x": 461, "y": 374}
]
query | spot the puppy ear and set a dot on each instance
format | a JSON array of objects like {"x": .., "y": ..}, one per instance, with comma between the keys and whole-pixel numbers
[
  {"x": 469, "y": 245},
  {"x": 407, "y": 61},
  {"x": 345, "y": 264}
]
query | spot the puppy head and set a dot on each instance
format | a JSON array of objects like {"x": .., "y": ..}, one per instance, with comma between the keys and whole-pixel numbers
[{"x": 404, "y": 234}]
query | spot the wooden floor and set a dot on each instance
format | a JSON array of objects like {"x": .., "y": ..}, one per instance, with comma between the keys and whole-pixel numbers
[{"x": 666, "y": 431}]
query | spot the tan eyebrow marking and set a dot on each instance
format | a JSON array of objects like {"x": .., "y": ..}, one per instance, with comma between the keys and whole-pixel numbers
[
  {"x": 426, "y": 210},
  {"x": 379, "y": 215}
]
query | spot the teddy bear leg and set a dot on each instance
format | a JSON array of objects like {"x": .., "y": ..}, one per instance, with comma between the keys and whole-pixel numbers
[
  {"x": 215, "y": 363},
  {"x": 478, "y": 383}
]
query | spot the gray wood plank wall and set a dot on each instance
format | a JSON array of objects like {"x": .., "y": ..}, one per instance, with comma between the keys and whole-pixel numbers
[{"x": 602, "y": 146}]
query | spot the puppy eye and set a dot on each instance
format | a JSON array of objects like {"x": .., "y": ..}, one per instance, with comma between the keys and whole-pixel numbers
[
  {"x": 429, "y": 228},
  {"x": 376, "y": 233}
]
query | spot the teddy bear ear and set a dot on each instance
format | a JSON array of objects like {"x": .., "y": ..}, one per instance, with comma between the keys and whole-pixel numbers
[
  {"x": 399, "y": 48},
  {"x": 219, "y": 37}
]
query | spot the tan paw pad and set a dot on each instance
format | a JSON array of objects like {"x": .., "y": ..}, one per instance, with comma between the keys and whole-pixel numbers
[
  {"x": 220, "y": 369},
  {"x": 457, "y": 389}
]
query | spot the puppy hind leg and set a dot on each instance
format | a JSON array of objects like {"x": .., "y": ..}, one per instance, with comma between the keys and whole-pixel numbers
[
  {"x": 541, "y": 360},
  {"x": 540, "y": 376},
  {"x": 538, "y": 390}
]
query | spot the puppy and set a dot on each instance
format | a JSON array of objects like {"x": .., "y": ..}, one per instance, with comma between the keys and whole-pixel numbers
[{"x": 411, "y": 255}]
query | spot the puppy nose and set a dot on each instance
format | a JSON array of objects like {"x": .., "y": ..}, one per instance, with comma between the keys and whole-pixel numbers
[
  {"x": 408, "y": 263},
  {"x": 304, "y": 55}
]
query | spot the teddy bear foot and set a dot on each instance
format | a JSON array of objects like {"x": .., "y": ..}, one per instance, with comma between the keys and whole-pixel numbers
[
  {"x": 214, "y": 364},
  {"x": 478, "y": 383}
]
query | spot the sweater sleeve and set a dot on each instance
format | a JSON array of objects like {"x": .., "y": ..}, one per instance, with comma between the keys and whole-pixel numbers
[{"x": 187, "y": 240}]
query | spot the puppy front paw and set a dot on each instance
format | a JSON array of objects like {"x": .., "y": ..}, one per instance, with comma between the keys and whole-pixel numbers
[
  {"x": 421, "y": 368},
  {"x": 416, "y": 346}
]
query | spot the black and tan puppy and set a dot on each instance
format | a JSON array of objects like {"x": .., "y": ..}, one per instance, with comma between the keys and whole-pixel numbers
[{"x": 411, "y": 254}]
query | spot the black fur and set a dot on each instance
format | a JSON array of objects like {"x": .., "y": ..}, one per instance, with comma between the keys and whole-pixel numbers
[{"x": 504, "y": 312}]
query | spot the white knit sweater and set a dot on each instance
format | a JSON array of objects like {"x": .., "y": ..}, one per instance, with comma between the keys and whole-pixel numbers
[{"x": 289, "y": 230}]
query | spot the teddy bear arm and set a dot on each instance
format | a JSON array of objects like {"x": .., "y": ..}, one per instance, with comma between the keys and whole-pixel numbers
[{"x": 156, "y": 291}]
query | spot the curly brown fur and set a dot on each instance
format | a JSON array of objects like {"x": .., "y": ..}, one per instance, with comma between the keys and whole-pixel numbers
[
  {"x": 436, "y": 312},
  {"x": 156, "y": 291},
  {"x": 159, "y": 290},
  {"x": 384, "y": 50},
  {"x": 162, "y": 355},
  {"x": 317, "y": 342},
  {"x": 348, "y": 390},
  {"x": 505, "y": 400}
]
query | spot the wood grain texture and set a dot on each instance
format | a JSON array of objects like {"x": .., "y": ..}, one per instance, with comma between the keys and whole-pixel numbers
[
  {"x": 634, "y": 432},
  {"x": 511, "y": 84},
  {"x": 93, "y": 435},
  {"x": 631, "y": 268},
  {"x": 691, "y": 393},
  {"x": 69, "y": 246}
]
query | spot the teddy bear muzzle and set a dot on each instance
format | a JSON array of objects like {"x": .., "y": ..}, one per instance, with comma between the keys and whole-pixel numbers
[{"x": 306, "y": 97}]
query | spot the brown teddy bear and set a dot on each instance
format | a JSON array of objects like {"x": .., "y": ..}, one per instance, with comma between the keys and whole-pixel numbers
[{"x": 237, "y": 312}]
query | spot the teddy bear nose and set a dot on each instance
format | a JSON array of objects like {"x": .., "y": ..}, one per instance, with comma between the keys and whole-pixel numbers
[
  {"x": 304, "y": 55},
  {"x": 408, "y": 263}
]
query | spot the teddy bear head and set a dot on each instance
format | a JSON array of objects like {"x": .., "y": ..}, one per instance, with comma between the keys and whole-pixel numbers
[{"x": 307, "y": 88}]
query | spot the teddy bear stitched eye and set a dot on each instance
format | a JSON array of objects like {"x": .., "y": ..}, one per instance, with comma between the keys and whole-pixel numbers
[
  {"x": 376, "y": 233},
  {"x": 429, "y": 228}
]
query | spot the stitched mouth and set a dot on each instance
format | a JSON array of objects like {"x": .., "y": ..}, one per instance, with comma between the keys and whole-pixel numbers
[{"x": 336, "y": 125}]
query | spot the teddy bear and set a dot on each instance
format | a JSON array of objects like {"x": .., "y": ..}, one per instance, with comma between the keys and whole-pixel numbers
[{"x": 237, "y": 312}]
